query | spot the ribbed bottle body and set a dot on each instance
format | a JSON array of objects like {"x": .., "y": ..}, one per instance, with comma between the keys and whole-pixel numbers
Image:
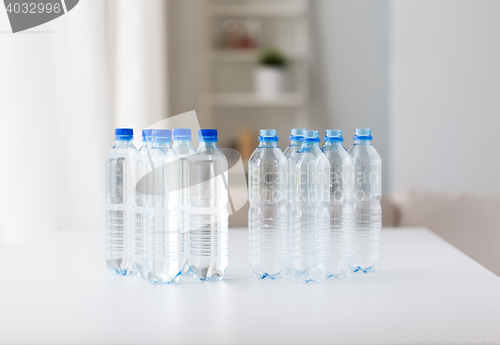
[
  {"x": 119, "y": 185},
  {"x": 208, "y": 239},
  {"x": 340, "y": 208},
  {"x": 267, "y": 215},
  {"x": 162, "y": 233},
  {"x": 309, "y": 220},
  {"x": 290, "y": 152},
  {"x": 184, "y": 152},
  {"x": 367, "y": 211},
  {"x": 142, "y": 178}
]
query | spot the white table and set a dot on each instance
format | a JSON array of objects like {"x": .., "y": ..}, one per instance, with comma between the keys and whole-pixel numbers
[{"x": 57, "y": 290}]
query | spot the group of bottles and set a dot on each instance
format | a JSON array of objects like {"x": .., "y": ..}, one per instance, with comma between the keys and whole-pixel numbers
[
  {"x": 166, "y": 206},
  {"x": 314, "y": 212}
]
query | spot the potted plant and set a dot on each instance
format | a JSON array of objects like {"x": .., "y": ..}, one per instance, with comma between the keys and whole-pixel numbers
[{"x": 270, "y": 74}]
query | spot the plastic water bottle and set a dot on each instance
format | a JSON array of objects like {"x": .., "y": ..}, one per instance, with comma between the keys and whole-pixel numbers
[
  {"x": 341, "y": 189},
  {"x": 295, "y": 135},
  {"x": 142, "y": 176},
  {"x": 367, "y": 210},
  {"x": 162, "y": 236},
  {"x": 208, "y": 240},
  {"x": 267, "y": 216},
  {"x": 184, "y": 150},
  {"x": 310, "y": 197},
  {"x": 120, "y": 182}
]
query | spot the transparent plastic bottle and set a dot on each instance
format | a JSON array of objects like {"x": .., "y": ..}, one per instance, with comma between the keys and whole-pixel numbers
[
  {"x": 310, "y": 236},
  {"x": 208, "y": 239},
  {"x": 267, "y": 216},
  {"x": 142, "y": 168},
  {"x": 119, "y": 180},
  {"x": 340, "y": 208},
  {"x": 295, "y": 135},
  {"x": 184, "y": 150},
  {"x": 367, "y": 210},
  {"x": 162, "y": 234}
]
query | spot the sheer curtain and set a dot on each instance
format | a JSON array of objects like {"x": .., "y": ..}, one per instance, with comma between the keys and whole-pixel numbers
[{"x": 63, "y": 90}]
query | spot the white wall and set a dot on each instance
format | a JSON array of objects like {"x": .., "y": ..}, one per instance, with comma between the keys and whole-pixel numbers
[
  {"x": 445, "y": 95},
  {"x": 182, "y": 30},
  {"x": 349, "y": 80}
]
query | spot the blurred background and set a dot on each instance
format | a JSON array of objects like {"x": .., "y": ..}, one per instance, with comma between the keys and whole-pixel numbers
[{"x": 423, "y": 75}]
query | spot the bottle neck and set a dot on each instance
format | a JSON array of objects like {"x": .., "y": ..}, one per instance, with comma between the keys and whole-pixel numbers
[
  {"x": 161, "y": 144},
  {"x": 207, "y": 144},
  {"x": 181, "y": 143},
  {"x": 310, "y": 144},
  {"x": 362, "y": 142},
  {"x": 120, "y": 143},
  {"x": 268, "y": 144},
  {"x": 147, "y": 143},
  {"x": 295, "y": 143},
  {"x": 333, "y": 144}
]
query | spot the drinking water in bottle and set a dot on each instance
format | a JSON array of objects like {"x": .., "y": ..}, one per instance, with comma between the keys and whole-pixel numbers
[
  {"x": 267, "y": 216},
  {"x": 367, "y": 209},
  {"x": 162, "y": 235},
  {"x": 310, "y": 197},
  {"x": 119, "y": 180},
  {"x": 142, "y": 168},
  {"x": 208, "y": 240},
  {"x": 340, "y": 208},
  {"x": 296, "y": 134},
  {"x": 184, "y": 150}
]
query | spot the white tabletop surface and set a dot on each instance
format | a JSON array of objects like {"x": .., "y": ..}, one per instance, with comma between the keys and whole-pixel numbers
[{"x": 57, "y": 290}]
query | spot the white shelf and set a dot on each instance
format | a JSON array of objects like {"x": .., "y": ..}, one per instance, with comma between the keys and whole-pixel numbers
[
  {"x": 261, "y": 10},
  {"x": 234, "y": 54},
  {"x": 233, "y": 99},
  {"x": 245, "y": 55}
]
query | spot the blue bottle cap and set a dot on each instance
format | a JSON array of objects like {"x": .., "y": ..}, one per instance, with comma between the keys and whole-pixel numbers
[
  {"x": 297, "y": 133},
  {"x": 147, "y": 134},
  {"x": 362, "y": 134},
  {"x": 162, "y": 135},
  {"x": 268, "y": 134},
  {"x": 333, "y": 135},
  {"x": 182, "y": 134},
  {"x": 311, "y": 136},
  {"x": 209, "y": 135},
  {"x": 124, "y": 133}
]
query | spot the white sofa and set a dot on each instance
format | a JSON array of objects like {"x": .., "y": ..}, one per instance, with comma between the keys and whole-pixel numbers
[{"x": 469, "y": 222}]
